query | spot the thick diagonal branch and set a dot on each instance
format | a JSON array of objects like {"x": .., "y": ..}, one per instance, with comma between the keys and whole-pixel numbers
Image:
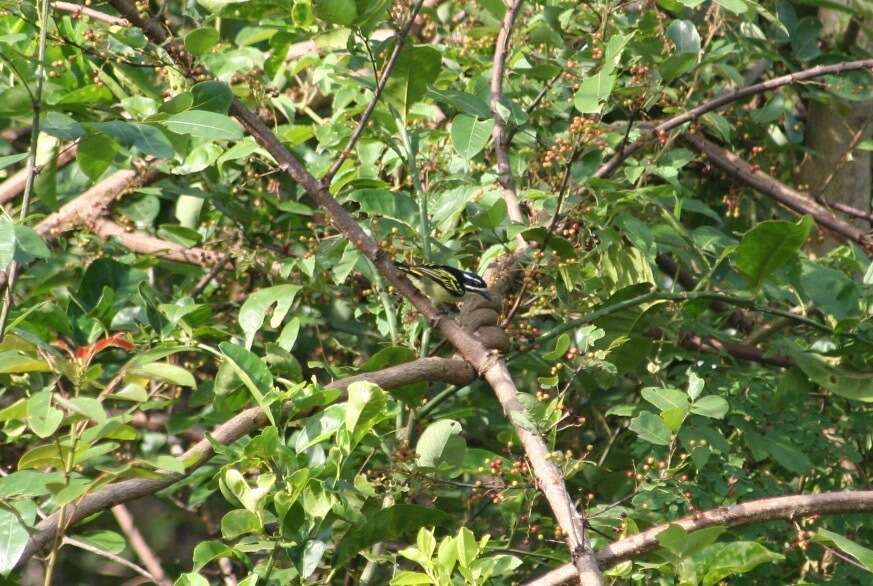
[
  {"x": 619, "y": 157},
  {"x": 759, "y": 511},
  {"x": 797, "y": 201}
]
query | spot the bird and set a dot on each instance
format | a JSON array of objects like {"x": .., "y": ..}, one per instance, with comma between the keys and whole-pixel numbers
[{"x": 443, "y": 284}]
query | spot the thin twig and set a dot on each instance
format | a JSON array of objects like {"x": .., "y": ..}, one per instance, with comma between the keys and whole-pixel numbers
[
  {"x": 110, "y": 556},
  {"x": 12, "y": 270},
  {"x": 139, "y": 545},
  {"x": 377, "y": 93},
  {"x": 501, "y": 138},
  {"x": 208, "y": 277}
]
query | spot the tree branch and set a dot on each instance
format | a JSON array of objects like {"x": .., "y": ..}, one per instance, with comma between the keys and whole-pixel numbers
[
  {"x": 79, "y": 10},
  {"x": 486, "y": 362},
  {"x": 147, "y": 244},
  {"x": 423, "y": 369},
  {"x": 618, "y": 158},
  {"x": 794, "y": 200},
  {"x": 92, "y": 203},
  {"x": 15, "y": 183},
  {"x": 758, "y": 511},
  {"x": 501, "y": 137}
]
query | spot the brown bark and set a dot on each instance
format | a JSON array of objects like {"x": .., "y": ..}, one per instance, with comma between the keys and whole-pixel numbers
[{"x": 785, "y": 507}]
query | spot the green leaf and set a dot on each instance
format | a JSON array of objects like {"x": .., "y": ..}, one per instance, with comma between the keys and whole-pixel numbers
[
  {"x": 860, "y": 553},
  {"x": 768, "y": 247},
  {"x": 15, "y": 521},
  {"x": 8, "y": 160},
  {"x": 409, "y": 578},
  {"x": 88, "y": 407},
  {"x": 651, "y": 428},
  {"x": 12, "y": 362},
  {"x": 212, "y": 96},
  {"x": 684, "y": 35},
  {"x": 206, "y": 551},
  {"x": 470, "y": 135},
  {"x": 441, "y": 441},
  {"x": 201, "y": 40},
  {"x": 313, "y": 552},
  {"x": 146, "y": 139},
  {"x": 87, "y": 95},
  {"x": 711, "y": 406},
  {"x": 674, "y": 418},
  {"x": 463, "y": 102},
  {"x": 665, "y": 399},
  {"x": 288, "y": 335},
  {"x": 804, "y": 38},
  {"x": 204, "y": 124},
  {"x": 42, "y": 418},
  {"x": 95, "y": 154},
  {"x": 254, "y": 310},
  {"x": 239, "y": 522},
  {"x": 61, "y": 126},
  {"x": 178, "y": 103},
  {"x": 736, "y": 558},
  {"x": 28, "y": 483},
  {"x": 253, "y": 372},
  {"x": 169, "y": 372},
  {"x": 683, "y": 544},
  {"x": 191, "y": 578},
  {"x": 396, "y": 523},
  {"x": 341, "y": 12},
  {"x": 857, "y": 386},
  {"x": 105, "y": 540},
  {"x": 415, "y": 68},
  {"x": 677, "y": 65},
  {"x": 786, "y": 454},
  {"x": 593, "y": 92},
  {"x": 142, "y": 210},
  {"x": 316, "y": 500},
  {"x": 19, "y": 243},
  {"x": 562, "y": 344},
  {"x": 735, "y": 6},
  {"x": 468, "y": 547}
]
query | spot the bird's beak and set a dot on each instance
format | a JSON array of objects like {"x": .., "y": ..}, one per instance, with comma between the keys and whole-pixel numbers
[{"x": 486, "y": 295}]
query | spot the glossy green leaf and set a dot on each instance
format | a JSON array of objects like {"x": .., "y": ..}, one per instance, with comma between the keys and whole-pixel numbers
[
  {"x": 651, "y": 428},
  {"x": 20, "y": 243},
  {"x": 201, "y": 40},
  {"x": 204, "y": 124},
  {"x": 259, "y": 303},
  {"x": 440, "y": 442},
  {"x": 768, "y": 247},
  {"x": 470, "y": 135},
  {"x": 416, "y": 66},
  {"x": 15, "y": 522},
  {"x": 847, "y": 546},
  {"x": 393, "y": 523},
  {"x": 341, "y": 12}
]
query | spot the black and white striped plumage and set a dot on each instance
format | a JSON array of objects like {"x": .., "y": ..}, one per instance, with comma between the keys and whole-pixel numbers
[{"x": 445, "y": 284}]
